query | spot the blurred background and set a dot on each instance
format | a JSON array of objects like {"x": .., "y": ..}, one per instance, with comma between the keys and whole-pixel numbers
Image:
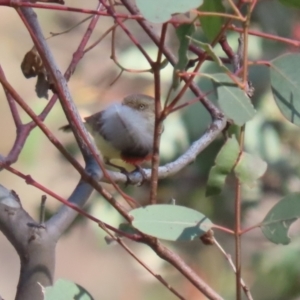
[{"x": 106, "y": 271}]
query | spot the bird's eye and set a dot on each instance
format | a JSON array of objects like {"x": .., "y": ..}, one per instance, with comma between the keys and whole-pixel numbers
[{"x": 142, "y": 106}]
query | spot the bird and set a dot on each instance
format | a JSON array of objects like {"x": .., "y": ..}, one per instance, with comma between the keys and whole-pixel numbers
[{"x": 124, "y": 132}]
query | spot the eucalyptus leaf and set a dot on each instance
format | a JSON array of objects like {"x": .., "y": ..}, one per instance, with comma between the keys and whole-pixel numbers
[
  {"x": 249, "y": 168},
  {"x": 65, "y": 289},
  {"x": 285, "y": 84},
  {"x": 233, "y": 102},
  {"x": 160, "y": 11},
  {"x": 228, "y": 155},
  {"x": 277, "y": 222},
  {"x": 170, "y": 222},
  {"x": 216, "y": 181},
  {"x": 182, "y": 32},
  {"x": 211, "y": 25},
  {"x": 208, "y": 48},
  {"x": 224, "y": 163}
]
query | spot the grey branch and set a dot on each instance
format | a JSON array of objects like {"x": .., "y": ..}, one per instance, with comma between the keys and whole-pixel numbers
[
  {"x": 64, "y": 217},
  {"x": 35, "y": 243},
  {"x": 35, "y": 249}
]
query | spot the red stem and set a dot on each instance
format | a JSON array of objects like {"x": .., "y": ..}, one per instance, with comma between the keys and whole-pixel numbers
[{"x": 158, "y": 121}]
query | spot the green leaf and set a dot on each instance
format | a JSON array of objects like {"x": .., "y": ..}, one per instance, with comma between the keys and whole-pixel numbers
[
  {"x": 208, "y": 48},
  {"x": 233, "y": 130},
  {"x": 183, "y": 31},
  {"x": 216, "y": 181},
  {"x": 228, "y": 155},
  {"x": 277, "y": 222},
  {"x": 170, "y": 222},
  {"x": 160, "y": 11},
  {"x": 211, "y": 25},
  {"x": 285, "y": 84},
  {"x": 292, "y": 3},
  {"x": 225, "y": 161},
  {"x": 64, "y": 289},
  {"x": 233, "y": 102},
  {"x": 249, "y": 168}
]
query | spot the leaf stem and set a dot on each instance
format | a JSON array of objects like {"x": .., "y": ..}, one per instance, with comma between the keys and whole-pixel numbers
[{"x": 216, "y": 14}]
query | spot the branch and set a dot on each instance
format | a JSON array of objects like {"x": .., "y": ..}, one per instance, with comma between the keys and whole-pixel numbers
[
  {"x": 158, "y": 120},
  {"x": 35, "y": 249},
  {"x": 88, "y": 149},
  {"x": 30, "y": 20},
  {"x": 130, "y": 252},
  {"x": 89, "y": 174},
  {"x": 60, "y": 222},
  {"x": 22, "y": 130},
  {"x": 182, "y": 267},
  {"x": 228, "y": 258},
  {"x": 171, "y": 58},
  {"x": 84, "y": 141}
]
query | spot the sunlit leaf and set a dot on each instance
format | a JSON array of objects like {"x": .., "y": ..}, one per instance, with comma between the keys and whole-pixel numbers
[
  {"x": 249, "y": 168},
  {"x": 64, "y": 289},
  {"x": 170, "y": 222},
  {"x": 160, "y": 11},
  {"x": 211, "y": 25},
  {"x": 234, "y": 102},
  {"x": 285, "y": 84},
  {"x": 277, "y": 222}
]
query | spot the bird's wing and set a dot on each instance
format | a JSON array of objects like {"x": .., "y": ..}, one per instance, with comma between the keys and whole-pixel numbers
[{"x": 95, "y": 123}]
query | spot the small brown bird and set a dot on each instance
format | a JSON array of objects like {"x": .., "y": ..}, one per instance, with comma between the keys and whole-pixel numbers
[{"x": 124, "y": 132}]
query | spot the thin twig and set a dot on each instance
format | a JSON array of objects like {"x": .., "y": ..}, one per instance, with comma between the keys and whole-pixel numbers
[
  {"x": 29, "y": 180},
  {"x": 158, "y": 120},
  {"x": 128, "y": 33},
  {"x": 53, "y": 34},
  {"x": 20, "y": 4},
  {"x": 60, "y": 147},
  {"x": 115, "y": 60},
  {"x": 224, "y": 15},
  {"x": 12, "y": 106},
  {"x": 129, "y": 251},
  {"x": 100, "y": 39},
  {"x": 268, "y": 36},
  {"x": 228, "y": 258},
  {"x": 84, "y": 141}
]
